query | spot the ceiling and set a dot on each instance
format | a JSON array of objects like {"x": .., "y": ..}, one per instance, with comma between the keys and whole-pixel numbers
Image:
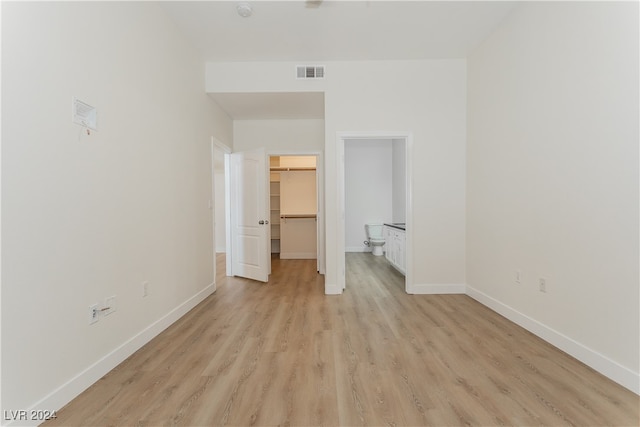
[{"x": 329, "y": 31}]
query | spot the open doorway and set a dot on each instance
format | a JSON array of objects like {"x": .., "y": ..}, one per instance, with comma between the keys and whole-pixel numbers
[
  {"x": 374, "y": 189},
  {"x": 294, "y": 207},
  {"x": 249, "y": 220},
  {"x": 220, "y": 200}
]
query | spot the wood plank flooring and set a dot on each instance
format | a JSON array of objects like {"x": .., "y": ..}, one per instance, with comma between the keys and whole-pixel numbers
[{"x": 284, "y": 354}]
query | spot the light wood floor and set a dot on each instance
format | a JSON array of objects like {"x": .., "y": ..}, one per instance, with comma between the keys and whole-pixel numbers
[{"x": 283, "y": 353}]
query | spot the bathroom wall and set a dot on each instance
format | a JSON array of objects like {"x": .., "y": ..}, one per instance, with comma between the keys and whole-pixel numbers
[{"x": 368, "y": 188}]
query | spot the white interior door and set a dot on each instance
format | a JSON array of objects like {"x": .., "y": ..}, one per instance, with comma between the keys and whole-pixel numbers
[{"x": 249, "y": 215}]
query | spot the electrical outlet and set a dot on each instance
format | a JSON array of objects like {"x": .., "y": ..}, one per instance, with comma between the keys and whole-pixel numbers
[
  {"x": 110, "y": 305},
  {"x": 94, "y": 314},
  {"x": 518, "y": 277},
  {"x": 543, "y": 284},
  {"x": 145, "y": 289}
]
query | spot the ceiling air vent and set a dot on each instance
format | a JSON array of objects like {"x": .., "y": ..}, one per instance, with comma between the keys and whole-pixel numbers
[{"x": 310, "y": 71}]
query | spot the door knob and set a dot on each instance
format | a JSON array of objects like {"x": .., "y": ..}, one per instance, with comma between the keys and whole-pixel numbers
[{"x": 261, "y": 222}]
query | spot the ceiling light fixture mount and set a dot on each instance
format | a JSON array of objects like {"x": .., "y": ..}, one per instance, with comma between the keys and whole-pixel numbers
[{"x": 244, "y": 9}]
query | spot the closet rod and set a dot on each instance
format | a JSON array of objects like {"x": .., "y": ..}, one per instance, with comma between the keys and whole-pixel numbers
[
  {"x": 298, "y": 216},
  {"x": 283, "y": 169}
]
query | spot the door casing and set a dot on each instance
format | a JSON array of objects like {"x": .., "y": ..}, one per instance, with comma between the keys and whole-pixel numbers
[
  {"x": 216, "y": 144},
  {"x": 321, "y": 260},
  {"x": 341, "y": 138}
]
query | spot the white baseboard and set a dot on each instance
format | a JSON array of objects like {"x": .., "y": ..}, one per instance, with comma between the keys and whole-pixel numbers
[
  {"x": 76, "y": 385},
  {"x": 607, "y": 367},
  {"x": 430, "y": 289},
  {"x": 298, "y": 255}
]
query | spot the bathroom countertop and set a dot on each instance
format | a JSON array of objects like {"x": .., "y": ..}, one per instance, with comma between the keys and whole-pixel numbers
[{"x": 398, "y": 225}]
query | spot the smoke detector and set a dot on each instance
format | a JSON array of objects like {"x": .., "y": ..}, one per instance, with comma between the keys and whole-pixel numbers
[{"x": 244, "y": 10}]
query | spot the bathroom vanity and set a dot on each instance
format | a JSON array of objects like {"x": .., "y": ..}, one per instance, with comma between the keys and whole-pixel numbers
[{"x": 395, "y": 245}]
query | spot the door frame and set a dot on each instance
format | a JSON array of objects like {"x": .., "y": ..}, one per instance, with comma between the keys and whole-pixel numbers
[
  {"x": 215, "y": 143},
  {"x": 341, "y": 138},
  {"x": 321, "y": 261}
]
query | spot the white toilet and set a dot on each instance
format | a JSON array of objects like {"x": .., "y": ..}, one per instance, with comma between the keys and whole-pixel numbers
[{"x": 375, "y": 239}]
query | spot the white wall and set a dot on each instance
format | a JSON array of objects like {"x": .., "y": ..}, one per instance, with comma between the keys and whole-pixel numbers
[
  {"x": 279, "y": 136},
  {"x": 219, "y": 202},
  {"x": 368, "y": 188},
  {"x": 399, "y": 181},
  {"x": 425, "y": 98},
  {"x": 88, "y": 217},
  {"x": 552, "y": 178}
]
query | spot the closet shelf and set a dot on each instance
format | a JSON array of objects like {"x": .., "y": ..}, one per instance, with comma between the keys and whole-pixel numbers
[{"x": 287, "y": 169}]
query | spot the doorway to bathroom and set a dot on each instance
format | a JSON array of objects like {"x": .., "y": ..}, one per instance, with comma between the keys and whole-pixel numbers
[{"x": 375, "y": 190}]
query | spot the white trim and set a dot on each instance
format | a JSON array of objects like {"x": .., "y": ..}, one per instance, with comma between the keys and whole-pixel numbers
[
  {"x": 227, "y": 212},
  {"x": 83, "y": 380},
  {"x": 321, "y": 263},
  {"x": 607, "y": 367},
  {"x": 340, "y": 212},
  {"x": 221, "y": 145},
  {"x": 320, "y": 225},
  {"x": 212, "y": 207},
  {"x": 436, "y": 289},
  {"x": 226, "y": 151},
  {"x": 409, "y": 285},
  {"x": 295, "y": 153}
]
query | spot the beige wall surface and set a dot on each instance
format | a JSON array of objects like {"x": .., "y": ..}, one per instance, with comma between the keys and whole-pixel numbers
[
  {"x": 87, "y": 217},
  {"x": 279, "y": 136},
  {"x": 424, "y": 98},
  {"x": 552, "y": 177}
]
